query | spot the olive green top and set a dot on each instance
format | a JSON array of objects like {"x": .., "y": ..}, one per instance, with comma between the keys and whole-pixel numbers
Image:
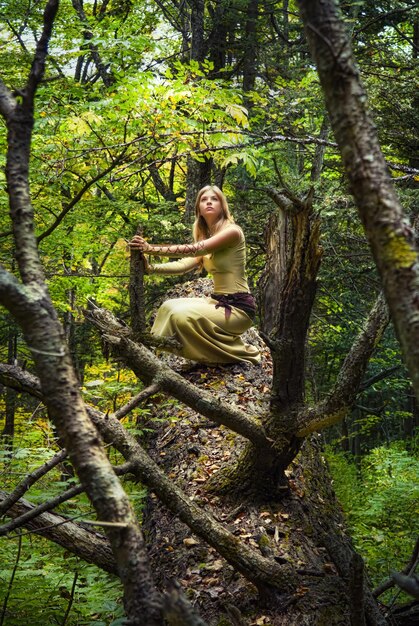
[{"x": 228, "y": 268}]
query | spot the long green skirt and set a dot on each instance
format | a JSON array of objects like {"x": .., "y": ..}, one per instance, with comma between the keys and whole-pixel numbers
[{"x": 204, "y": 332}]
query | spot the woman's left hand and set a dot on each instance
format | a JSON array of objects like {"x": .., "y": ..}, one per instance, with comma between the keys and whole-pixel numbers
[{"x": 138, "y": 243}]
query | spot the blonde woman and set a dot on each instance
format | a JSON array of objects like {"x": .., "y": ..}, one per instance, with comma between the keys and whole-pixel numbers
[{"x": 209, "y": 329}]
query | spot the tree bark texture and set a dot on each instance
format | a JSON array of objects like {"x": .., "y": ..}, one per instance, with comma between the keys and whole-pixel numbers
[
  {"x": 32, "y": 308},
  {"x": 288, "y": 287},
  {"x": 283, "y": 530},
  {"x": 391, "y": 238},
  {"x": 136, "y": 291}
]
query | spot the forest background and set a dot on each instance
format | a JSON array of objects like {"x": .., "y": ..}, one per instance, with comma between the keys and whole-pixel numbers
[{"x": 141, "y": 104}]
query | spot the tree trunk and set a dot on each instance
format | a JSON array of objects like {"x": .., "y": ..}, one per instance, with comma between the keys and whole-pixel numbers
[
  {"x": 250, "y": 46},
  {"x": 9, "y": 425},
  {"x": 391, "y": 238},
  {"x": 198, "y": 175},
  {"x": 305, "y": 527},
  {"x": 287, "y": 288}
]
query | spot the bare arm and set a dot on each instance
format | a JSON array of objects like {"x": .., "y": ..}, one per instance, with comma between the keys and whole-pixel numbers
[
  {"x": 183, "y": 266},
  {"x": 224, "y": 239}
]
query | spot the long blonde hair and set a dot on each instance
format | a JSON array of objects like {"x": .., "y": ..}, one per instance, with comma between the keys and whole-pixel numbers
[{"x": 200, "y": 229}]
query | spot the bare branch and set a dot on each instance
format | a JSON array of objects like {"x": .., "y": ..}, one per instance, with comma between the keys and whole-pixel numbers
[
  {"x": 336, "y": 405},
  {"x": 384, "y": 15},
  {"x": 406, "y": 571},
  {"x": 88, "y": 545},
  {"x": 38, "y": 64},
  {"x": 36, "y": 511},
  {"x": 12, "y": 577},
  {"x": 136, "y": 400},
  {"x": 380, "y": 376},
  {"x": 48, "y": 505},
  {"x": 30, "y": 480},
  {"x": 152, "y": 371}
]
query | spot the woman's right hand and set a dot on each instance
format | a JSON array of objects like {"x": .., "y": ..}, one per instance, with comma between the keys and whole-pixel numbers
[{"x": 139, "y": 243}]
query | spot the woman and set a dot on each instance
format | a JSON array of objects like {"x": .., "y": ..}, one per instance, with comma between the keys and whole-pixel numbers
[{"x": 209, "y": 329}]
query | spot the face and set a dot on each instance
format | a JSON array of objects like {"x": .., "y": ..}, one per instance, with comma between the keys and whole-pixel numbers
[{"x": 210, "y": 206}]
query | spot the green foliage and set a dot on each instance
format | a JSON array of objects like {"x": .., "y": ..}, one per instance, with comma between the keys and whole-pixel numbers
[
  {"x": 94, "y": 147},
  {"x": 380, "y": 500},
  {"x": 41, "y": 592}
]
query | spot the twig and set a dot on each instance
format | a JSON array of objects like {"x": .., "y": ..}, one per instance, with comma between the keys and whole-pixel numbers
[
  {"x": 380, "y": 376},
  {"x": 31, "y": 479},
  {"x": 136, "y": 400},
  {"x": 87, "y": 544},
  {"x": 91, "y": 522},
  {"x": 22, "y": 520},
  {"x": 71, "y": 600},
  {"x": 10, "y": 585},
  {"x": 409, "y": 569}
]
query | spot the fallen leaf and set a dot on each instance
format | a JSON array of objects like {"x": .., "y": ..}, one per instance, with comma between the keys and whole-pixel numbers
[{"x": 190, "y": 541}]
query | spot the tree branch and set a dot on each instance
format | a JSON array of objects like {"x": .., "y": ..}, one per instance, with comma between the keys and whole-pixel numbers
[
  {"x": 29, "y": 480},
  {"x": 253, "y": 566},
  {"x": 78, "y": 197},
  {"x": 50, "y": 504},
  {"x": 38, "y": 64},
  {"x": 7, "y": 102},
  {"x": 406, "y": 571},
  {"x": 136, "y": 400},
  {"x": 152, "y": 371},
  {"x": 17, "y": 298},
  {"x": 337, "y": 404},
  {"x": 380, "y": 376},
  {"x": 88, "y": 545},
  {"x": 107, "y": 78}
]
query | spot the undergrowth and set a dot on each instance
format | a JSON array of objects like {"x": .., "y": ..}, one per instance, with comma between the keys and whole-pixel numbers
[
  {"x": 42, "y": 584},
  {"x": 52, "y": 587},
  {"x": 380, "y": 498}
]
